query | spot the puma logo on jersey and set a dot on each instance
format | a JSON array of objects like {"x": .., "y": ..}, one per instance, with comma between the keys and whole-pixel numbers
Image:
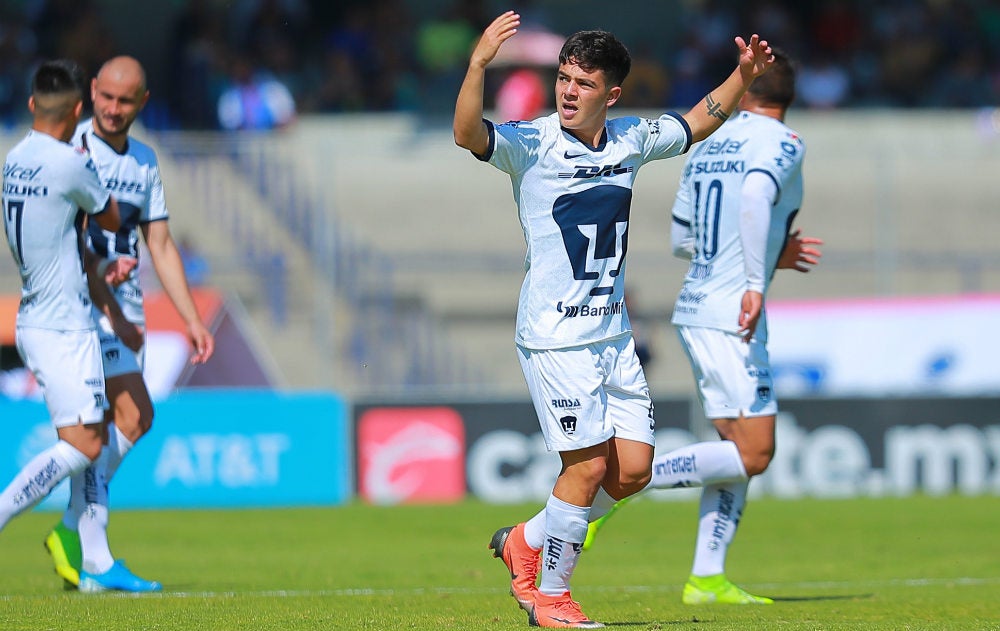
[{"x": 597, "y": 171}]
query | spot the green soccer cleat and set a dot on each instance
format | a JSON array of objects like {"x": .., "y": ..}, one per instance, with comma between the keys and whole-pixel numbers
[
  {"x": 596, "y": 525},
  {"x": 63, "y": 545},
  {"x": 707, "y": 590}
]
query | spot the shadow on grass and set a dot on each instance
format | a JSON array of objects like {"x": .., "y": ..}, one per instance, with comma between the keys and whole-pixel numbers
[{"x": 792, "y": 599}]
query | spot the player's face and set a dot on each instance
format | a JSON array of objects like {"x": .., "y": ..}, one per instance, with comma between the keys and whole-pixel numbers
[
  {"x": 583, "y": 99},
  {"x": 117, "y": 102}
]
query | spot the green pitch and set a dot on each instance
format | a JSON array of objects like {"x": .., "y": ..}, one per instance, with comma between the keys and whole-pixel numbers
[{"x": 917, "y": 563}]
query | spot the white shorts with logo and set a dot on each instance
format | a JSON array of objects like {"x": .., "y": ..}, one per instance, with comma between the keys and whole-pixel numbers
[
  {"x": 118, "y": 358},
  {"x": 585, "y": 395},
  {"x": 67, "y": 366},
  {"x": 733, "y": 377}
]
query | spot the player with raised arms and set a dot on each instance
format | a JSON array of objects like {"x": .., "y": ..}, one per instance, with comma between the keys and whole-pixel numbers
[{"x": 572, "y": 174}]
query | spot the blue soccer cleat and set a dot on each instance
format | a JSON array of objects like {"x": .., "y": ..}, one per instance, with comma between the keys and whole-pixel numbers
[{"x": 118, "y": 578}]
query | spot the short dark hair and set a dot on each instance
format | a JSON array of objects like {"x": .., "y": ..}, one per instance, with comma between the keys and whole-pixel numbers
[
  {"x": 598, "y": 50},
  {"x": 776, "y": 87},
  {"x": 59, "y": 76}
]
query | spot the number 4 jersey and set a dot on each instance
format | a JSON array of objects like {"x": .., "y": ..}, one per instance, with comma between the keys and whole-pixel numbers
[
  {"x": 573, "y": 202},
  {"x": 47, "y": 186},
  {"x": 708, "y": 206}
]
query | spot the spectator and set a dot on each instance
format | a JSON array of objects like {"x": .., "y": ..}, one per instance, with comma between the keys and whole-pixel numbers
[
  {"x": 823, "y": 84},
  {"x": 254, "y": 99}
]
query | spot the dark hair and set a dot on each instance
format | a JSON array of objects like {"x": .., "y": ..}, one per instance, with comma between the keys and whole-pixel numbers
[
  {"x": 776, "y": 87},
  {"x": 598, "y": 50},
  {"x": 59, "y": 76}
]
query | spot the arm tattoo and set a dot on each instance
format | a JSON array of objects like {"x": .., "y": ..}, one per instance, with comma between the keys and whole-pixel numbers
[{"x": 714, "y": 109}]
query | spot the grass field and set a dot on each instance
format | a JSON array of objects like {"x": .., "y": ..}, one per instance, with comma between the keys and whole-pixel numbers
[{"x": 916, "y": 563}]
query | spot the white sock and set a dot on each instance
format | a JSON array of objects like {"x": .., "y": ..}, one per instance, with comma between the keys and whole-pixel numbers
[
  {"x": 719, "y": 515},
  {"x": 603, "y": 503},
  {"x": 699, "y": 464},
  {"x": 37, "y": 479},
  {"x": 534, "y": 530},
  {"x": 93, "y": 528},
  {"x": 118, "y": 446},
  {"x": 565, "y": 530},
  {"x": 92, "y": 522},
  {"x": 77, "y": 501},
  {"x": 112, "y": 455}
]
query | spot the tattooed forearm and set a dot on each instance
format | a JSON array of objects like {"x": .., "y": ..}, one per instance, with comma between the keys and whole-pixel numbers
[{"x": 714, "y": 109}]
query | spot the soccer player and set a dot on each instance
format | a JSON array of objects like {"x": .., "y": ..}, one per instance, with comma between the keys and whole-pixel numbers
[
  {"x": 572, "y": 174},
  {"x": 738, "y": 196},
  {"x": 49, "y": 190},
  {"x": 129, "y": 169}
]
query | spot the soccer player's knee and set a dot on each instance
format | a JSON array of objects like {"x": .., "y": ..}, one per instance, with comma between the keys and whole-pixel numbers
[
  {"x": 135, "y": 421},
  {"x": 632, "y": 486},
  {"x": 757, "y": 463},
  {"x": 627, "y": 482},
  {"x": 91, "y": 448},
  {"x": 592, "y": 472}
]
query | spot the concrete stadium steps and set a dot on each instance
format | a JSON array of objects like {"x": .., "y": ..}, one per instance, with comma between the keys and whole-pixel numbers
[{"x": 903, "y": 201}]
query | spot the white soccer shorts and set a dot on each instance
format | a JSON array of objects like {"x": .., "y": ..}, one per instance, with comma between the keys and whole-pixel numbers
[
  {"x": 67, "y": 366},
  {"x": 118, "y": 358},
  {"x": 733, "y": 377},
  {"x": 585, "y": 395}
]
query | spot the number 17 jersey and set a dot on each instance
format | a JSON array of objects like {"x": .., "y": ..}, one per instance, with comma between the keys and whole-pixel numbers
[{"x": 573, "y": 203}]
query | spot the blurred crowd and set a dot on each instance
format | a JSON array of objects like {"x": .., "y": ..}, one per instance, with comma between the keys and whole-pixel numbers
[{"x": 241, "y": 64}]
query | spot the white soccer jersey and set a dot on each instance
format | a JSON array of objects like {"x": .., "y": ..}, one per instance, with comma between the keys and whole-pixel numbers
[
  {"x": 708, "y": 204},
  {"x": 133, "y": 177},
  {"x": 573, "y": 202},
  {"x": 47, "y": 186}
]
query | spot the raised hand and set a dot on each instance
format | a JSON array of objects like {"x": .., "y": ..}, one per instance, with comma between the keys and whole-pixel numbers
[
  {"x": 755, "y": 56},
  {"x": 498, "y": 32}
]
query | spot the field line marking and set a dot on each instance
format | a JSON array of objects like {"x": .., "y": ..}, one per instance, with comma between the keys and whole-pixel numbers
[{"x": 419, "y": 591}]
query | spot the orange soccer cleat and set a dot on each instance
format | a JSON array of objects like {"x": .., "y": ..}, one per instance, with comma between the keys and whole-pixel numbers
[
  {"x": 561, "y": 612},
  {"x": 522, "y": 560}
]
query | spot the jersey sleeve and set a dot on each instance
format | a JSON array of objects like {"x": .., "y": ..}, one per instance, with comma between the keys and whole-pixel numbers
[
  {"x": 85, "y": 189},
  {"x": 779, "y": 158},
  {"x": 758, "y": 194},
  {"x": 664, "y": 137},
  {"x": 156, "y": 209},
  {"x": 681, "y": 235},
  {"x": 513, "y": 145}
]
